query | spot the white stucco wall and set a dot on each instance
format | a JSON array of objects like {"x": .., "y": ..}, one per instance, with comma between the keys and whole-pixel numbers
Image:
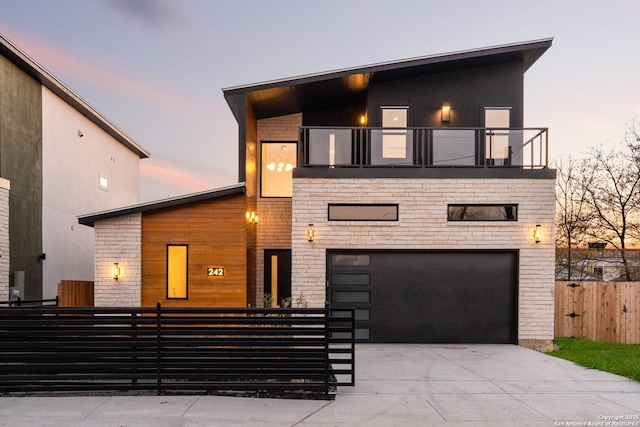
[
  {"x": 72, "y": 166},
  {"x": 4, "y": 239},
  {"x": 118, "y": 240},
  {"x": 423, "y": 225}
]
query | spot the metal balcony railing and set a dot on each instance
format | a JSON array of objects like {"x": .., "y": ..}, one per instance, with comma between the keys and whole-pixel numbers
[{"x": 346, "y": 147}]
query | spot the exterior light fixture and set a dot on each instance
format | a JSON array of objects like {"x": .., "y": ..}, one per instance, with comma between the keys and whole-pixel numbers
[
  {"x": 252, "y": 217},
  {"x": 446, "y": 113},
  {"x": 280, "y": 163},
  {"x": 363, "y": 120},
  {"x": 116, "y": 271},
  {"x": 537, "y": 233},
  {"x": 311, "y": 233}
]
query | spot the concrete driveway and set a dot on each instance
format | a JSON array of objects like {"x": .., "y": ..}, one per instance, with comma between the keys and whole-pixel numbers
[{"x": 396, "y": 385}]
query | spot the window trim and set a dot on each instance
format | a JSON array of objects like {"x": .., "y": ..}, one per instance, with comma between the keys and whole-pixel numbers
[
  {"x": 396, "y": 205},
  {"x": 492, "y": 205},
  {"x": 186, "y": 297}
]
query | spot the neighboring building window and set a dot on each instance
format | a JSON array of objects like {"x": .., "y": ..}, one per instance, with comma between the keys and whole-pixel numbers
[
  {"x": 104, "y": 183},
  {"x": 278, "y": 161},
  {"x": 598, "y": 273},
  {"x": 482, "y": 212},
  {"x": 177, "y": 271},
  {"x": 361, "y": 212}
]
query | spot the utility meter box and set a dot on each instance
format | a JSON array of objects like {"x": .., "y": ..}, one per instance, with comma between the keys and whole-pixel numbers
[{"x": 17, "y": 286}]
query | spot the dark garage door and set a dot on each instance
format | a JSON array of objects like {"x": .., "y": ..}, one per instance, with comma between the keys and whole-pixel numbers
[{"x": 427, "y": 296}]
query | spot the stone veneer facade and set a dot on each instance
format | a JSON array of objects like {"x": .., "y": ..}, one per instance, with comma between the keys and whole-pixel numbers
[
  {"x": 274, "y": 226},
  {"x": 423, "y": 224},
  {"x": 4, "y": 239},
  {"x": 118, "y": 240}
]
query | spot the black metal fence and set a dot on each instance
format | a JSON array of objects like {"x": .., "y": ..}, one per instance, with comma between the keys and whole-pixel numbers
[
  {"x": 174, "y": 350},
  {"x": 19, "y": 302}
]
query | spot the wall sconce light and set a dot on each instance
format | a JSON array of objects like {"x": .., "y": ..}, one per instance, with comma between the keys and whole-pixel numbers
[
  {"x": 363, "y": 120},
  {"x": 252, "y": 217},
  {"x": 311, "y": 233},
  {"x": 116, "y": 271},
  {"x": 446, "y": 113},
  {"x": 537, "y": 233}
]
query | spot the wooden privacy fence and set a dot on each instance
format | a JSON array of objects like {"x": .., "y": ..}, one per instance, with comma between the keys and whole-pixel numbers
[
  {"x": 174, "y": 349},
  {"x": 75, "y": 293},
  {"x": 599, "y": 311}
]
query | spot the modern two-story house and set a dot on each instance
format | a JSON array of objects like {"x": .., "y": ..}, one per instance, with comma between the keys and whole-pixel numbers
[{"x": 408, "y": 190}]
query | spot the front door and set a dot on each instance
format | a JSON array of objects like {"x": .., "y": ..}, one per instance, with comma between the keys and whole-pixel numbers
[{"x": 277, "y": 277}]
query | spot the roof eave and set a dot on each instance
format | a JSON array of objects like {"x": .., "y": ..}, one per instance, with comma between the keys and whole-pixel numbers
[
  {"x": 48, "y": 80},
  {"x": 91, "y": 219},
  {"x": 543, "y": 44}
]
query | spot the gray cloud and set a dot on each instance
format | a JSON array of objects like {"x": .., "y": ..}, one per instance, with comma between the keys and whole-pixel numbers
[{"x": 151, "y": 13}]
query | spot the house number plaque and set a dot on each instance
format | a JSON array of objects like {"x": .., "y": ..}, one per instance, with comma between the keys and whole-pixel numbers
[{"x": 215, "y": 271}]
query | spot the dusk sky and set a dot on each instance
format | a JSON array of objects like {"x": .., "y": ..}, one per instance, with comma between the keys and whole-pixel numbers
[{"x": 156, "y": 68}]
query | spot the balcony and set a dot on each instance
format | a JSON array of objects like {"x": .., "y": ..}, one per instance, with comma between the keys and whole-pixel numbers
[{"x": 423, "y": 148}]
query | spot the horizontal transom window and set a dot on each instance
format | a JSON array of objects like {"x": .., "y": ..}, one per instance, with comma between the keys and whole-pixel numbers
[
  {"x": 363, "y": 212},
  {"x": 482, "y": 212}
]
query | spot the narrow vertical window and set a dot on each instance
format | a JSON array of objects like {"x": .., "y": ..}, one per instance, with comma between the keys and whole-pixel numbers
[
  {"x": 394, "y": 139},
  {"x": 177, "y": 271},
  {"x": 497, "y": 122}
]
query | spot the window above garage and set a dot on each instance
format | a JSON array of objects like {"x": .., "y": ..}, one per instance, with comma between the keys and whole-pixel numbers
[
  {"x": 363, "y": 212},
  {"x": 489, "y": 212}
]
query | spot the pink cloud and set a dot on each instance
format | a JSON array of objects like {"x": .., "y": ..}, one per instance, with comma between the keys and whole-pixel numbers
[
  {"x": 166, "y": 172},
  {"x": 107, "y": 77}
]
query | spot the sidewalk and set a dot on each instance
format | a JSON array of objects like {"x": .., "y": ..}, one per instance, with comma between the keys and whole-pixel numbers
[{"x": 396, "y": 385}]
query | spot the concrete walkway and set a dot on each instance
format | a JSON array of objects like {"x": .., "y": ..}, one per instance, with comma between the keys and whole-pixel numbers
[{"x": 396, "y": 385}]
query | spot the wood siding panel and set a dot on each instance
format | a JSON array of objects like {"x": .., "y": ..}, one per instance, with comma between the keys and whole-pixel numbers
[
  {"x": 215, "y": 231},
  {"x": 605, "y": 311}
]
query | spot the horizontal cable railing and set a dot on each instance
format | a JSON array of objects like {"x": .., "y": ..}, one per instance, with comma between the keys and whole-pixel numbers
[
  {"x": 339, "y": 147},
  {"x": 174, "y": 349}
]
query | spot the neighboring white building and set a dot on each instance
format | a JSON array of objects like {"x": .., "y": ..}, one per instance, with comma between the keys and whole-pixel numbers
[{"x": 63, "y": 158}]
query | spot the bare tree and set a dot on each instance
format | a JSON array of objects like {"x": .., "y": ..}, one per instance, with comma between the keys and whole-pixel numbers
[
  {"x": 611, "y": 179},
  {"x": 574, "y": 218}
]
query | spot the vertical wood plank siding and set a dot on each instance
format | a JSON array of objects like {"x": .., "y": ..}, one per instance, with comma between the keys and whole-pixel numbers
[{"x": 215, "y": 231}]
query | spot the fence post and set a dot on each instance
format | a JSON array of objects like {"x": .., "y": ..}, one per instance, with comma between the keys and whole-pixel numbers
[
  {"x": 134, "y": 336},
  {"x": 158, "y": 349},
  {"x": 327, "y": 334}
]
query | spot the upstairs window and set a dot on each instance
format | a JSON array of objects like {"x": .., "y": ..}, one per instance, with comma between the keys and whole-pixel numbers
[
  {"x": 278, "y": 162},
  {"x": 498, "y": 147},
  {"x": 394, "y": 142}
]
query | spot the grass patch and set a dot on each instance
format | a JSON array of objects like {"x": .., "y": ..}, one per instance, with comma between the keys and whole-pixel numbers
[{"x": 619, "y": 359}]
